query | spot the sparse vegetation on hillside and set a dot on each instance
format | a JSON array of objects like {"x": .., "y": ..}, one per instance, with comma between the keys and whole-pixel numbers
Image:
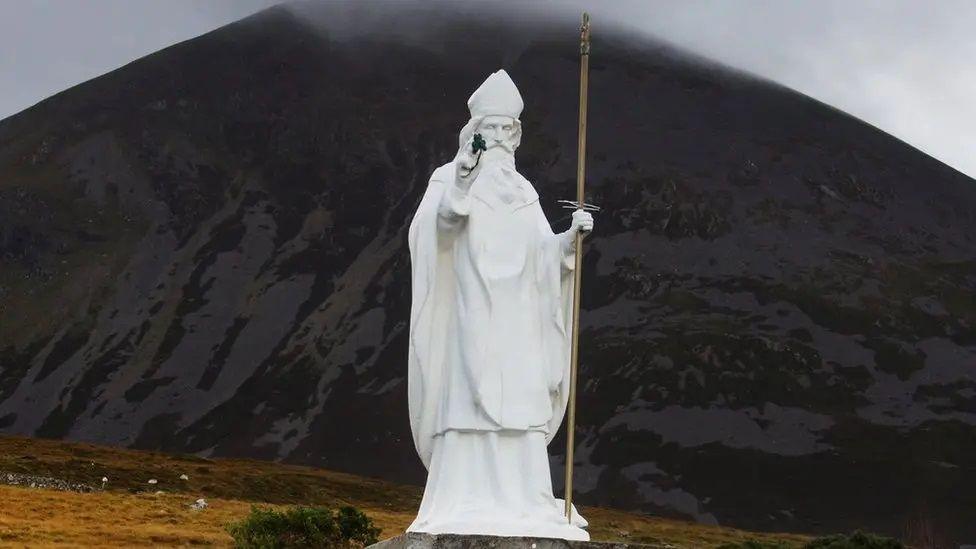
[
  {"x": 128, "y": 511},
  {"x": 856, "y": 540}
]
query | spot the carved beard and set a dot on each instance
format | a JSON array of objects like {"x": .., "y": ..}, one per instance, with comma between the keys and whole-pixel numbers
[
  {"x": 499, "y": 176},
  {"x": 500, "y": 152}
]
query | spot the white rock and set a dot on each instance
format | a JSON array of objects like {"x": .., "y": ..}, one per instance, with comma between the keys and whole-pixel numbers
[
  {"x": 153, "y": 481},
  {"x": 199, "y": 504},
  {"x": 184, "y": 477}
]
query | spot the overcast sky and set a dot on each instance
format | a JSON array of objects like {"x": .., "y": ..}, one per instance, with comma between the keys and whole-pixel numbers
[{"x": 906, "y": 66}]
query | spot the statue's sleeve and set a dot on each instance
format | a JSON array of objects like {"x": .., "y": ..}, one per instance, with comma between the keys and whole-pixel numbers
[
  {"x": 555, "y": 285},
  {"x": 454, "y": 208},
  {"x": 567, "y": 248},
  {"x": 565, "y": 242},
  {"x": 432, "y": 289}
]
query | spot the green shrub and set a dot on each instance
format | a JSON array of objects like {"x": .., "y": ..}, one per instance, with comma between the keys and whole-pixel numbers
[
  {"x": 857, "y": 540},
  {"x": 303, "y": 527}
]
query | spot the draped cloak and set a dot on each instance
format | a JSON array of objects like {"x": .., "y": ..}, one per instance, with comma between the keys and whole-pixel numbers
[{"x": 452, "y": 342}]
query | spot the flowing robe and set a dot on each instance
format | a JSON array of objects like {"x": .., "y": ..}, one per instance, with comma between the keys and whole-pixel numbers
[{"x": 489, "y": 355}]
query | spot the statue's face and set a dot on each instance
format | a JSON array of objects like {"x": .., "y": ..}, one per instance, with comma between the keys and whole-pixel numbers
[{"x": 498, "y": 130}]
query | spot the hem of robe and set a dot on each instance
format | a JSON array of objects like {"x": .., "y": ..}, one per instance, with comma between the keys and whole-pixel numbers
[
  {"x": 510, "y": 496},
  {"x": 488, "y": 527}
]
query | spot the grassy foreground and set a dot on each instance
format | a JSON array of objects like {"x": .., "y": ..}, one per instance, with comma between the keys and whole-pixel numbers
[{"x": 130, "y": 512}]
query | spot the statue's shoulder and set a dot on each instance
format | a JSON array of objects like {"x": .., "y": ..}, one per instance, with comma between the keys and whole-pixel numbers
[{"x": 444, "y": 173}]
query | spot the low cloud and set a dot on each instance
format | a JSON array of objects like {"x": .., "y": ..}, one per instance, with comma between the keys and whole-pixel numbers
[{"x": 901, "y": 65}]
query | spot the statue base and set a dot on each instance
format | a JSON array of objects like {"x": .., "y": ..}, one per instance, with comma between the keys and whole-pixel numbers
[{"x": 416, "y": 540}]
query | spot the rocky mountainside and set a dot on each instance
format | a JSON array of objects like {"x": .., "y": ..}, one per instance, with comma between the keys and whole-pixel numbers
[{"x": 205, "y": 251}]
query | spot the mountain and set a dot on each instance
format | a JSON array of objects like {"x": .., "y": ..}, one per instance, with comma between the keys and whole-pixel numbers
[{"x": 205, "y": 251}]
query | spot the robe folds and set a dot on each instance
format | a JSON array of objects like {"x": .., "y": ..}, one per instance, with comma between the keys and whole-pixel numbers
[{"x": 488, "y": 375}]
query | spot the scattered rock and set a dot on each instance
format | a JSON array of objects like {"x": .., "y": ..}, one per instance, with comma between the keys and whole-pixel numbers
[
  {"x": 153, "y": 481},
  {"x": 184, "y": 477},
  {"x": 49, "y": 483},
  {"x": 199, "y": 505},
  {"x": 830, "y": 192}
]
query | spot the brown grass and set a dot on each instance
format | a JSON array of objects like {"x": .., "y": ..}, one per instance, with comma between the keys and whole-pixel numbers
[
  {"x": 129, "y": 513},
  {"x": 110, "y": 519}
]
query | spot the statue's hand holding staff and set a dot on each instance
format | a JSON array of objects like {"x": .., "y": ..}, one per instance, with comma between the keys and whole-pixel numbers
[{"x": 582, "y": 222}]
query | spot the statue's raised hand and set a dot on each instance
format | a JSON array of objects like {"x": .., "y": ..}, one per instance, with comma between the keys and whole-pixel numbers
[{"x": 467, "y": 162}]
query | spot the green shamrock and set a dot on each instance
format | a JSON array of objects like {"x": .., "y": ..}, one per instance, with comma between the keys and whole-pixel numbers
[{"x": 478, "y": 144}]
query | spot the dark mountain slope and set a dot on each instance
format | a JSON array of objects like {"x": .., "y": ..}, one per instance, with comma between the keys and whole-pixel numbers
[{"x": 205, "y": 251}]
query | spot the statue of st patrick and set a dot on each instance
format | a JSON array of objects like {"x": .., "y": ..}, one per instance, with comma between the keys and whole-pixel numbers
[{"x": 489, "y": 334}]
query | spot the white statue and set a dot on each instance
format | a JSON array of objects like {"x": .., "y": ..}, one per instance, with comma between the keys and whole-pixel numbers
[{"x": 490, "y": 331}]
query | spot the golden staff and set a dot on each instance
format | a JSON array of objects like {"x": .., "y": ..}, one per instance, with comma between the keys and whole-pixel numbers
[{"x": 580, "y": 174}]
